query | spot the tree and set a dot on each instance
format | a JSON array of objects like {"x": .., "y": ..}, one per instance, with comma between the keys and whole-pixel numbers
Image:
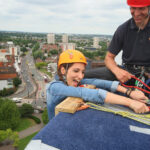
[
  {"x": 45, "y": 116},
  {"x": 16, "y": 82},
  {"x": 53, "y": 52},
  {"x": 38, "y": 54},
  {"x": 23, "y": 49},
  {"x": 26, "y": 110},
  {"x": 9, "y": 135},
  {"x": 6, "y": 92},
  {"x": 9, "y": 114},
  {"x": 36, "y": 47}
]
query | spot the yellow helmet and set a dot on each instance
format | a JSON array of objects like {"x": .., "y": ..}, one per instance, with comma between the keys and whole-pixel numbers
[{"x": 71, "y": 56}]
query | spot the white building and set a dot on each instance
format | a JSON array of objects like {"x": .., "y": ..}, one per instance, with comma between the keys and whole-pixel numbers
[
  {"x": 96, "y": 42},
  {"x": 12, "y": 50},
  {"x": 66, "y": 46},
  {"x": 52, "y": 67},
  {"x": 6, "y": 84},
  {"x": 10, "y": 43},
  {"x": 51, "y": 38},
  {"x": 65, "y": 38}
]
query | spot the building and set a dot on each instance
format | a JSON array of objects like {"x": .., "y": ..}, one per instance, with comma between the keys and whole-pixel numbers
[
  {"x": 66, "y": 46},
  {"x": 7, "y": 73},
  {"x": 9, "y": 69},
  {"x": 9, "y": 56},
  {"x": 65, "y": 38},
  {"x": 96, "y": 42},
  {"x": 51, "y": 38},
  {"x": 6, "y": 84},
  {"x": 52, "y": 67},
  {"x": 94, "y": 64},
  {"x": 6, "y": 76},
  {"x": 49, "y": 47},
  {"x": 10, "y": 44},
  {"x": 6, "y": 59}
]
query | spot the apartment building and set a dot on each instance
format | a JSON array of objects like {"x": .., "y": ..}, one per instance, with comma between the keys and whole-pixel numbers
[
  {"x": 66, "y": 46},
  {"x": 51, "y": 38},
  {"x": 96, "y": 42},
  {"x": 9, "y": 58},
  {"x": 65, "y": 38}
]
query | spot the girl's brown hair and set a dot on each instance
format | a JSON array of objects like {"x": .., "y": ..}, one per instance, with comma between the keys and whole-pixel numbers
[{"x": 66, "y": 66}]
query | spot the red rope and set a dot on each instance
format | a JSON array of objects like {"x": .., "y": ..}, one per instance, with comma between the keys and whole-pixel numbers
[
  {"x": 141, "y": 82},
  {"x": 146, "y": 91}
]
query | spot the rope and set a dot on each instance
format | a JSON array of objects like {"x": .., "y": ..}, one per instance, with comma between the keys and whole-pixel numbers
[
  {"x": 129, "y": 86},
  {"x": 142, "y": 118}
]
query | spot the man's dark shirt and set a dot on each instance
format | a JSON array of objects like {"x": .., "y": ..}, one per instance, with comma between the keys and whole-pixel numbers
[{"x": 135, "y": 43}]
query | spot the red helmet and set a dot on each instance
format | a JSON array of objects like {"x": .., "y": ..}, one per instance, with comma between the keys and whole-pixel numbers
[{"x": 138, "y": 3}]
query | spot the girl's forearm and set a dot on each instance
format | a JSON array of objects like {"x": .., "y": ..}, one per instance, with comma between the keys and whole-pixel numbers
[
  {"x": 121, "y": 89},
  {"x": 117, "y": 99}
]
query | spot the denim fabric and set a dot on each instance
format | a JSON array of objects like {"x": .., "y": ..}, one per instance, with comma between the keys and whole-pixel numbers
[{"x": 57, "y": 91}]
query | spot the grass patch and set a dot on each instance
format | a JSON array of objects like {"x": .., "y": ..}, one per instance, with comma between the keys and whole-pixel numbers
[
  {"x": 24, "y": 124},
  {"x": 23, "y": 142},
  {"x": 44, "y": 70}
]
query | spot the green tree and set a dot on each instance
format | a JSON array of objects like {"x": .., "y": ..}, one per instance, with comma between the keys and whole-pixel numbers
[
  {"x": 38, "y": 54},
  {"x": 9, "y": 114},
  {"x": 36, "y": 47},
  {"x": 10, "y": 135},
  {"x": 16, "y": 82},
  {"x": 26, "y": 110},
  {"x": 6, "y": 92},
  {"x": 23, "y": 49},
  {"x": 45, "y": 116},
  {"x": 53, "y": 52}
]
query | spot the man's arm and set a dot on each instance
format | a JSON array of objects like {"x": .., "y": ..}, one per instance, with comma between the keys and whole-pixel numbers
[{"x": 120, "y": 74}]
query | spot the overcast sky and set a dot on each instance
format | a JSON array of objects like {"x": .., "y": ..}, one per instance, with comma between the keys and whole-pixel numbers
[{"x": 63, "y": 16}]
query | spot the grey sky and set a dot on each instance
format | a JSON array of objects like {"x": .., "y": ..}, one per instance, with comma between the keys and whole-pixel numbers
[{"x": 63, "y": 16}]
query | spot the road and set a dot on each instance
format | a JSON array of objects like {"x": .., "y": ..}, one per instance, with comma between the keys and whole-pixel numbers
[
  {"x": 34, "y": 90},
  {"x": 39, "y": 98}
]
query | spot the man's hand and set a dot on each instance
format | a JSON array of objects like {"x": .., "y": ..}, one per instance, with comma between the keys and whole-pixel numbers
[{"x": 122, "y": 75}]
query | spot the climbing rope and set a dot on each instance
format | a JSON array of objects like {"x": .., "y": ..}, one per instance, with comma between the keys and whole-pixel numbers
[
  {"x": 137, "y": 79},
  {"x": 142, "y": 118}
]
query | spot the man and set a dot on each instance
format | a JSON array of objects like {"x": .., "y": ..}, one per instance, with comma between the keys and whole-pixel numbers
[{"x": 133, "y": 37}]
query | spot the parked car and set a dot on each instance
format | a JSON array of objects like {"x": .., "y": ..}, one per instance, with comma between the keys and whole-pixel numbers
[{"x": 17, "y": 99}]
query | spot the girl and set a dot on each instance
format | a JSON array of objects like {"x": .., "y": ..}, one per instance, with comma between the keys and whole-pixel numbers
[{"x": 71, "y": 68}]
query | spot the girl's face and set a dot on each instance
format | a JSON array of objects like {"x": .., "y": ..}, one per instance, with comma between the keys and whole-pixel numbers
[{"x": 74, "y": 74}]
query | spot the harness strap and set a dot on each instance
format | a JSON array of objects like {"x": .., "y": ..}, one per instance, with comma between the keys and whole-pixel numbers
[{"x": 136, "y": 67}]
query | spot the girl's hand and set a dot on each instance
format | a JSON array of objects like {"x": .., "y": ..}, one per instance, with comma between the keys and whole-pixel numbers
[
  {"x": 138, "y": 95},
  {"x": 138, "y": 107}
]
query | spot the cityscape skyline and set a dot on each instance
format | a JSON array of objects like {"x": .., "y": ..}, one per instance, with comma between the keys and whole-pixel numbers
[{"x": 66, "y": 16}]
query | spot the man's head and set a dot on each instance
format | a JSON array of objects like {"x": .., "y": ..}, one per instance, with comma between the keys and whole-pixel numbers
[{"x": 140, "y": 11}]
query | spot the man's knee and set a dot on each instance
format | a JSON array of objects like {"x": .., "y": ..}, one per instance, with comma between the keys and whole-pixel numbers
[{"x": 100, "y": 73}]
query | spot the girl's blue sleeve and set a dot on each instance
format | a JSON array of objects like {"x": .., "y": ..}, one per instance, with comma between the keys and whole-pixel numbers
[
  {"x": 103, "y": 84},
  {"x": 92, "y": 95}
]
